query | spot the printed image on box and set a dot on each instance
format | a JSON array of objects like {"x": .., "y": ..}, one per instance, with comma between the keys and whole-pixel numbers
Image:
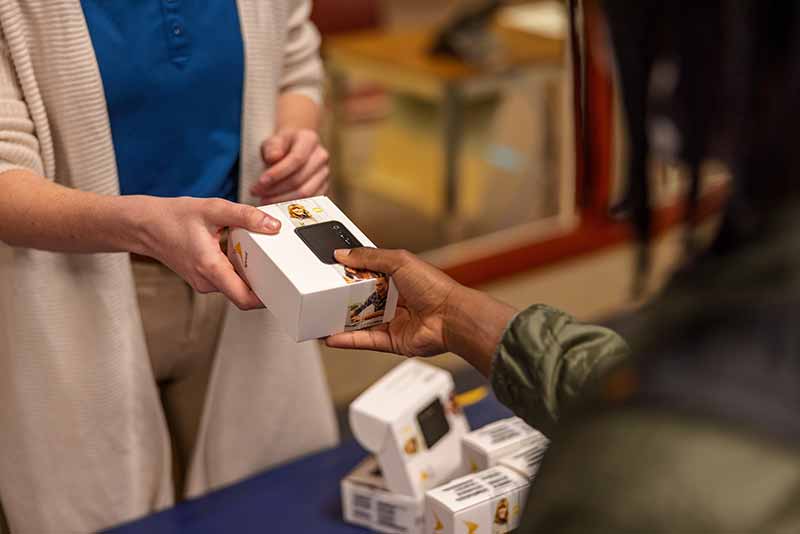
[
  {"x": 489, "y": 501},
  {"x": 298, "y": 280},
  {"x": 483, "y": 448},
  {"x": 409, "y": 419},
  {"x": 301, "y": 212},
  {"x": 368, "y": 305},
  {"x": 367, "y": 502}
]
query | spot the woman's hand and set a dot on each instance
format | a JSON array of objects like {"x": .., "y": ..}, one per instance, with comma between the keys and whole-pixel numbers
[
  {"x": 298, "y": 167},
  {"x": 184, "y": 234},
  {"x": 434, "y": 315}
]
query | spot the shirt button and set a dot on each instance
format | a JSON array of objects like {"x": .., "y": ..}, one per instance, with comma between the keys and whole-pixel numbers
[{"x": 177, "y": 30}]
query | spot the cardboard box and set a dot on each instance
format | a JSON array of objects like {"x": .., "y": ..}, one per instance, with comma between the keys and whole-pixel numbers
[
  {"x": 410, "y": 420},
  {"x": 367, "y": 502},
  {"x": 526, "y": 461},
  {"x": 483, "y": 448},
  {"x": 309, "y": 298},
  {"x": 490, "y": 501}
]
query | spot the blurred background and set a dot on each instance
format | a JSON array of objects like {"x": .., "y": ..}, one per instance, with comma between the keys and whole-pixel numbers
[{"x": 486, "y": 137}]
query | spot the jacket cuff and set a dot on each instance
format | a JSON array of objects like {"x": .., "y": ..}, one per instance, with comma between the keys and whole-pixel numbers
[{"x": 514, "y": 376}]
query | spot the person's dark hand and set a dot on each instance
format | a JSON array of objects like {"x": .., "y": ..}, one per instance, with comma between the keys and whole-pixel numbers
[
  {"x": 425, "y": 292},
  {"x": 184, "y": 234},
  {"x": 298, "y": 167},
  {"x": 435, "y": 314}
]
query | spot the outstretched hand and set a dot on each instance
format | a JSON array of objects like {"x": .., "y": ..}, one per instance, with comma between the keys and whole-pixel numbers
[
  {"x": 425, "y": 293},
  {"x": 184, "y": 234},
  {"x": 435, "y": 314}
]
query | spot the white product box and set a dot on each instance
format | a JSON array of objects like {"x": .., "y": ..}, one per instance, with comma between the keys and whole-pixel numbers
[
  {"x": 483, "y": 448},
  {"x": 367, "y": 502},
  {"x": 410, "y": 420},
  {"x": 526, "y": 461},
  {"x": 490, "y": 501},
  {"x": 309, "y": 298}
]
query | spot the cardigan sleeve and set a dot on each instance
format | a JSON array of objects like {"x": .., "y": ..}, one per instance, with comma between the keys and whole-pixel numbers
[
  {"x": 302, "y": 66},
  {"x": 546, "y": 359},
  {"x": 19, "y": 147}
]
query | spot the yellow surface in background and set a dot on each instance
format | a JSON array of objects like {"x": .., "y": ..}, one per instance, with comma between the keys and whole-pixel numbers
[
  {"x": 407, "y": 163},
  {"x": 473, "y": 396}
]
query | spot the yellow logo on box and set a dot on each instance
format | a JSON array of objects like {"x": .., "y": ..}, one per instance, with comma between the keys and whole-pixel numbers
[
  {"x": 439, "y": 526},
  {"x": 471, "y": 527},
  {"x": 238, "y": 249}
]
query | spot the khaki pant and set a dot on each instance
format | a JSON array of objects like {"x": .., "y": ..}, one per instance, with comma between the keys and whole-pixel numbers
[{"x": 181, "y": 329}]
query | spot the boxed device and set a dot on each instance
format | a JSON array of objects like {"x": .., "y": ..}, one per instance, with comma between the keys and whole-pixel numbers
[
  {"x": 297, "y": 278},
  {"x": 490, "y": 501},
  {"x": 526, "y": 461},
  {"x": 483, "y": 448},
  {"x": 412, "y": 423},
  {"x": 366, "y": 501}
]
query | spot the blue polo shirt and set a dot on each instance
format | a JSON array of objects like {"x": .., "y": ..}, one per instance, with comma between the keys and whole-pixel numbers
[{"x": 173, "y": 74}]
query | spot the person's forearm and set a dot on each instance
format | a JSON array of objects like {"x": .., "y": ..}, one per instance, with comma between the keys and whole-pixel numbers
[
  {"x": 296, "y": 112},
  {"x": 474, "y": 325},
  {"x": 37, "y": 213}
]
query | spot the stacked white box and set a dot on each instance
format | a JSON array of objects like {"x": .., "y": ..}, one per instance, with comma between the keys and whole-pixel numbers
[
  {"x": 490, "y": 501},
  {"x": 526, "y": 461},
  {"x": 483, "y": 448},
  {"x": 410, "y": 420},
  {"x": 367, "y": 502},
  {"x": 310, "y": 299}
]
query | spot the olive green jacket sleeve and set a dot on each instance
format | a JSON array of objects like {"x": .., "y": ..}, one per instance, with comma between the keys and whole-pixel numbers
[{"x": 546, "y": 359}]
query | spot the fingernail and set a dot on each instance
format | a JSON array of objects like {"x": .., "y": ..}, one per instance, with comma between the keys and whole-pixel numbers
[
  {"x": 272, "y": 224},
  {"x": 341, "y": 253}
]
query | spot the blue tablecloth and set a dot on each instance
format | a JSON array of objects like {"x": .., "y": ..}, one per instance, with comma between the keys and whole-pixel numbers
[{"x": 299, "y": 497}]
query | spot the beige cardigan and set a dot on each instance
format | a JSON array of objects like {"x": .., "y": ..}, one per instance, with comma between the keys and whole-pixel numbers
[{"x": 76, "y": 388}]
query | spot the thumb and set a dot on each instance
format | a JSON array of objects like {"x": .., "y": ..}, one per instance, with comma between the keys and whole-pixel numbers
[
  {"x": 276, "y": 147},
  {"x": 244, "y": 216},
  {"x": 373, "y": 259}
]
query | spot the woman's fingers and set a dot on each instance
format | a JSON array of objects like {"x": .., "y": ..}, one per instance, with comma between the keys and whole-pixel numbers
[
  {"x": 224, "y": 213},
  {"x": 302, "y": 145},
  {"x": 276, "y": 147},
  {"x": 224, "y": 278},
  {"x": 308, "y": 188},
  {"x": 315, "y": 163},
  {"x": 300, "y": 184}
]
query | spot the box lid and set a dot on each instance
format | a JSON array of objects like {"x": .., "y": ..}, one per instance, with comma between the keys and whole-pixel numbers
[
  {"x": 405, "y": 389},
  {"x": 495, "y": 438},
  {"x": 297, "y": 262},
  {"x": 471, "y": 490},
  {"x": 368, "y": 473},
  {"x": 527, "y": 461}
]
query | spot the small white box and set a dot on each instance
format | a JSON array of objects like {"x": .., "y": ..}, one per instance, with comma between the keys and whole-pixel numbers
[
  {"x": 367, "y": 502},
  {"x": 483, "y": 448},
  {"x": 491, "y": 501},
  {"x": 412, "y": 423},
  {"x": 309, "y": 298},
  {"x": 526, "y": 461}
]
